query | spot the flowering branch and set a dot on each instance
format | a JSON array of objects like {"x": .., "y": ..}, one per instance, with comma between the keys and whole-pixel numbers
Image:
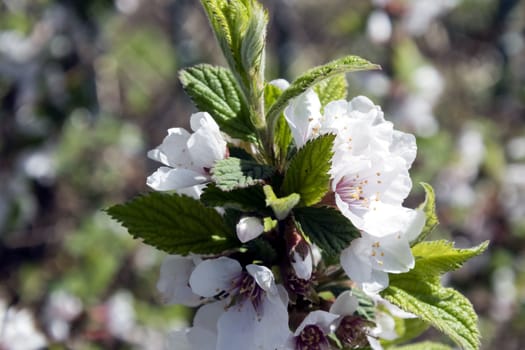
[{"x": 284, "y": 211}]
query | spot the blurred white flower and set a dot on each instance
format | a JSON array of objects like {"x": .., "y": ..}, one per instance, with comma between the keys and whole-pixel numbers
[
  {"x": 376, "y": 83},
  {"x": 379, "y": 27},
  {"x": 121, "y": 314},
  {"x": 40, "y": 165},
  {"x": 417, "y": 114},
  {"x": 428, "y": 83},
  {"x": 513, "y": 193},
  {"x": 60, "y": 310},
  {"x": 516, "y": 148},
  {"x": 421, "y": 13},
  {"x": 188, "y": 157},
  {"x": 17, "y": 330},
  {"x": 454, "y": 183}
]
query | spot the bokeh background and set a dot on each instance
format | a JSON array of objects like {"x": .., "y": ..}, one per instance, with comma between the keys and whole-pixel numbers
[{"x": 87, "y": 87}]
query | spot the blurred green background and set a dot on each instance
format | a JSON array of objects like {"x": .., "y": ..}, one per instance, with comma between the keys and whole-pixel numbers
[{"x": 87, "y": 87}]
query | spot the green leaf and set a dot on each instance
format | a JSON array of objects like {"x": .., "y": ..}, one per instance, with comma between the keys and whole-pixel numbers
[
  {"x": 429, "y": 208},
  {"x": 419, "y": 291},
  {"x": 426, "y": 345},
  {"x": 308, "y": 171},
  {"x": 225, "y": 21},
  {"x": 271, "y": 94},
  {"x": 444, "y": 308},
  {"x": 245, "y": 199},
  {"x": 240, "y": 29},
  {"x": 214, "y": 90},
  {"x": 434, "y": 258},
  {"x": 280, "y": 206},
  {"x": 312, "y": 77},
  {"x": 332, "y": 89},
  {"x": 326, "y": 227},
  {"x": 232, "y": 173},
  {"x": 253, "y": 40},
  {"x": 283, "y": 134},
  {"x": 174, "y": 223}
]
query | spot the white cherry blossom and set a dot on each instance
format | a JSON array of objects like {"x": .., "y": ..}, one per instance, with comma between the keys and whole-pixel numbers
[
  {"x": 254, "y": 309},
  {"x": 188, "y": 157},
  {"x": 370, "y": 181},
  {"x": 384, "y": 246},
  {"x": 303, "y": 115},
  {"x": 371, "y": 159}
]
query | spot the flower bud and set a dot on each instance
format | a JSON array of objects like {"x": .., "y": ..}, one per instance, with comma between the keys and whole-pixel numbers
[{"x": 248, "y": 228}]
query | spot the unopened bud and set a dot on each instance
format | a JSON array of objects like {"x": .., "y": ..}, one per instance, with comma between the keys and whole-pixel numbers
[{"x": 248, "y": 228}]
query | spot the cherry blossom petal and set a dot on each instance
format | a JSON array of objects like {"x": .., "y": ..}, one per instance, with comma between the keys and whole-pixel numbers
[
  {"x": 320, "y": 318},
  {"x": 169, "y": 179},
  {"x": 173, "y": 151},
  {"x": 203, "y": 334},
  {"x": 354, "y": 260},
  {"x": 303, "y": 115},
  {"x": 213, "y": 276},
  {"x": 173, "y": 282},
  {"x": 345, "y": 304},
  {"x": 206, "y": 145}
]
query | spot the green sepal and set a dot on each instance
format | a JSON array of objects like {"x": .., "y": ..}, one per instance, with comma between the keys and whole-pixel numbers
[
  {"x": 326, "y": 227},
  {"x": 214, "y": 90},
  {"x": 174, "y": 223},
  {"x": 281, "y": 206},
  {"x": 307, "y": 173},
  {"x": 233, "y": 173},
  {"x": 269, "y": 224},
  {"x": 429, "y": 208}
]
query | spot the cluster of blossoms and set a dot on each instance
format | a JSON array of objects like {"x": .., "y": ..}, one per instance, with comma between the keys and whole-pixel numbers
[{"x": 246, "y": 303}]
